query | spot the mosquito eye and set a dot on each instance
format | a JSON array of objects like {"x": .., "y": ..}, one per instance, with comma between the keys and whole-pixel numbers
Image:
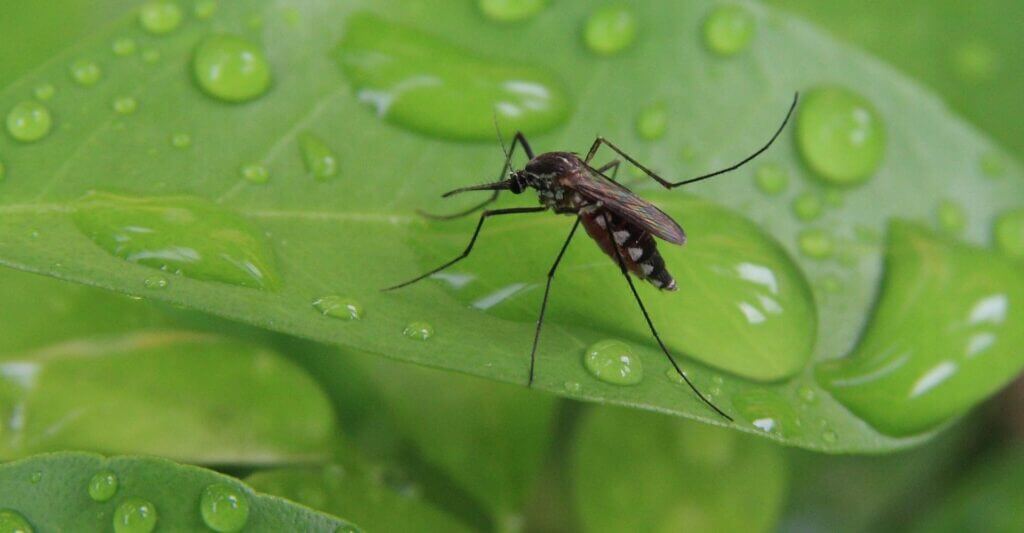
[{"x": 516, "y": 186}]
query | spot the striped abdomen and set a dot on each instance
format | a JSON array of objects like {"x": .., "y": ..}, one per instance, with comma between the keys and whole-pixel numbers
[{"x": 636, "y": 246}]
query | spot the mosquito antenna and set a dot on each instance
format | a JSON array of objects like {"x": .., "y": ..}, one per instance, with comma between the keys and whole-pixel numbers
[
  {"x": 501, "y": 139},
  {"x": 778, "y": 132}
]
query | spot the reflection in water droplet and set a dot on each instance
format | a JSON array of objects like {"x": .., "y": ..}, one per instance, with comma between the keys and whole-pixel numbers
[
  {"x": 729, "y": 29},
  {"x": 652, "y": 122},
  {"x": 160, "y": 16},
  {"x": 135, "y": 515},
  {"x": 224, "y": 508},
  {"x": 510, "y": 10},
  {"x": 418, "y": 330},
  {"x": 124, "y": 46},
  {"x": 490, "y": 300},
  {"x": 339, "y": 307},
  {"x": 318, "y": 157},
  {"x": 768, "y": 412},
  {"x": 816, "y": 243},
  {"x": 125, "y": 105},
  {"x": 12, "y": 522},
  {"x": 771, "y": 179},
  {"x": 610, "y": 30},
  {"x": 1009, "y": 232},
  {"x": 44, "y": 92},
  {"x": 181, "y": 140},
  {"x": 29, "y": 121},
  {"x": 807, "y": 207},
  {"x": 840, "y": 136},
  {"x": 155, "y": 282},
  {"x": 103, "y": 486},
  {"x": 180, "y": 234},
  {"x": 613, "y": 362},
  {"x": 231, "y": 68},
  {"x": 455, "y": 94},
  {"x": 952, "y": 218},
  {"x": 256, "y": 173},
  {"x": 86, "y": 72}
]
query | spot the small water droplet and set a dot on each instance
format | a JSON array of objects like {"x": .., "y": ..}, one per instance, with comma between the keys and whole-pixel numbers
[
  {"x": 12, "y": 522},
  {"x": 1009, "y": 233},
  {"x": 728, "y": 29},
  {"x": 44, "y": 92},
  {"x": 339, "y": 307},
  {"x": 510, "y": 10},
  {"x": 807, "y": 207},
  {"x": 829, "y": 436},
  {"x": 181, "y": 140},
  {"x": 86, "y": 72},
  {"x": 29, "y": 121},
  {"x": 318, "y": 157},
  {"x": 768, "y": 412},
  {"x": 224, "y": 508},
  {"x": 160, "y": 16},
  {"x": 151, "y": 55},
  {"x": 831, "y": 284},
  {"x": 256, "y": 173},
  {"x": 952, "y": 218},
  {"x": 572, "y": 386},
  {"x": 231, "y": 68},
  {"x": 103, "y": 486},
  {"x": 807, "y": 394},
  {"x": 613, "y": 362},
  {"x": 135, "y": 515},
  {"x": 610, "y": 30},
  {"x": 652, "y": 122},
  {"x": 816, "y": 243},
  {"x": 125, "y": 105},
  {"x": 204, "y": 9},
  {"x": 674, "y": 376},
  {"x": 155, "y": 282},
  {"x": 124, "y": 46},
  {"x": 418, "y": 330},
  {"x": 974, "y": 61},
  {"x": 840, "y": 136},
  {"x": 993, "y": 164},
  {"x": 771, "y": 179},
  {"x": 35, "y": 477}
]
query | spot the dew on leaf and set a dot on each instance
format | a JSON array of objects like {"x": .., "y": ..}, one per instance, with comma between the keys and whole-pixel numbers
[
  {"x": 768, "y": 411},
  {"x": 613, "y": 362},
  {"x": 418, "y": 330},
  {"x": 339, "y": 307},
  {"x": 572, "y": 386},
  {"x": 952, "y": 218},
  {"x": 993, "y": 164},
  {"x": 123, "y": 46},
  {"x": 135, "y": 515},
  {"x": 86, "y": 72},
  {"x": 510, "y": 10},
  {"x": 610, "y": 30},
  {"x": 816, "y": 243},
  {"x": 12, "y": 522},
  {"x": 320, "y": 161},
  {"x": 652, "y": 122},
  {"x": 155, "y": 282},
  {"x": 840, "y": 136},
  {"x": 29, "y": 121},
  {"x": 44, "y": 92},
  {"x": 771, "y": 179},
  {"x": 256, "y": 173},
  {"x": 974, "y": 61},
  {"x": 125, "y": 105},
  {"x": 159, "y": 17},
  {"x": 181, "y": 140},
  {"x": 224, "y": 508},
  {"x": 807, "y": 207},
  {"x": 231, "y": 68},
  {"x": 728, "y": 29},
  {"x": 103, "y": 486},
  {"x": 1009, "y": 233},
  {"x": 829, "y": 436}
]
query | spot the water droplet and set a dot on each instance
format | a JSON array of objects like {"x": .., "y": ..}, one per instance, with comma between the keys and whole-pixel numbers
[
  {"x": 125, "y": 105},
  {"x": 35, "y": 477},
  {"x": 155, "y": 282},
  {"x": 85, "y": 72},
  {"x": 318, "y": 157},
  {"x": 180, "y": 234},
  {"x": 256, "y": 173},
  {"x": 1009, "y": 233},
  {"x": 728, "y": 29},
  {"x": 339, "y": 307},
  {"x": 224, "y": 508},
  {"x": 831, "y": 284},
  {"x": 610, "y": 30},
  {"x": 151, "y": 55},
  {"x": 807, "y": 206},
  {"x": 652, "y": 122},
  {"x": 816, "y": 243},
  {"x": 771, "y": 179},
  {"x": 160, "y": 16},
  {"x": 613, "y": 362},
  {"x": 829, "y": 436},
  {"x": 12, "y": 522},
  {"x": 840, "y": 136},
  {"x": 455, "y": 95},
  {"x": 231, "y": 68},
  {"x": 419, "y": 330},
  {"x": 204, "y": 9},
  {"x": 135, "y": 515},
  {"x": 807, "y": 394},
  {"x": 511, "y": 10},
  {"x": 181, "y": 140},
  {"x": 29, "y": 121},
  {"x": 952, "y": 218},
  {"x": 572, "y": 386},
  {"x": 768, "y": 412},
  {"x": 124, "y": 46},
  {"x": 974, "y": 62},
  {"x": 674, "y": 376},
  {"x": 993, "y": 164},
  {"x": 44, "y": 92},
  {"x": 103, "y": 486}
]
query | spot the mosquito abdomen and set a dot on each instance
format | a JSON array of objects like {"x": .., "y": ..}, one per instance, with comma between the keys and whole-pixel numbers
[{"x": 637, "y": 247}]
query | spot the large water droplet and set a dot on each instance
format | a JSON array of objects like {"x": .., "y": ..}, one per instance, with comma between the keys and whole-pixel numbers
[
  {"x": 160, "y": 16},
  {"x": 511, "y": 10},
  {"x": 613, "y": 362},
  {"x": 29, "y": 121},
  {"x": 422, "y": 83},
  {"x": 231, "y": 68},
  {"x": 728, "y": 29},
  {"x": 771, "y": 179},
  {"x": 339, "y": 307},
  {"x": 12, "y": 522},
  {"x": 419, "y": 330},
  {"x": 652, "y": 122},
  {"x": 185, "y": 235},
  {"x": 224, "y": 508},
  {"x": 103, "y": 486},
  {"x": 610, "y": 30},
  {"x": 840, "y": 136},
  {"x": 86, "y": 72},
  {"x": 135, "y": 515},
  {"x": 318, "y": 157},
  {"x": 946, "y": 333},
  {"x": 1009, "y": 233},
  {"x": 768, "y": 412}
]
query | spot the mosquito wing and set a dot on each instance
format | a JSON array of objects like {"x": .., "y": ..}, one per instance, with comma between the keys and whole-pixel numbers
[{"x": 621, "y": 201}]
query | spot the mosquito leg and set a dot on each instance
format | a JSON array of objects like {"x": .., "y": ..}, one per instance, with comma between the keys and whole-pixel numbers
[
  {"x": 544, "y": 302},
  {"x": 472, "y": 241},
  {"x": 668, "y": 184},
  {"x": 650, "y": 324},
  {"x": 613, "y": 165}
]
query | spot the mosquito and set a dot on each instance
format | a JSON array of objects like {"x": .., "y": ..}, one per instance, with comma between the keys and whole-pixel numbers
[{"x": 624, "y": 225}]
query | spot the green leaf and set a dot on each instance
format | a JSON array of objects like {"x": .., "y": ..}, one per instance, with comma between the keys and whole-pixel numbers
[
  {"x": 355, "y": 493},
  {"x": 52, "y": 493},
  {"x": 357, "y": 232},
  {"x": 647, "y": 472},
  {"x": 87, "y": 369}
]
